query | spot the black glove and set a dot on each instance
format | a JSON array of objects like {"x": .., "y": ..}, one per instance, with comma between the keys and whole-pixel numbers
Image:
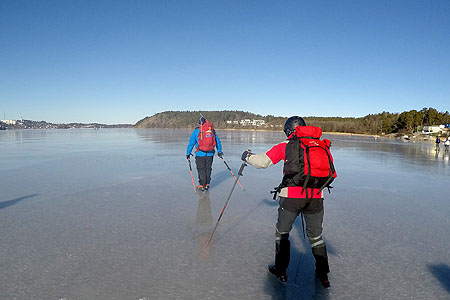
[
  {"x": 188, "y": 156},
  {"x": 220, "y": 154},
  {"x": 244, "y": 155}
]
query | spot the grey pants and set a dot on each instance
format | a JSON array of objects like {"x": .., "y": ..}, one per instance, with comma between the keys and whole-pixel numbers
[{"x": 288, "y": 211}]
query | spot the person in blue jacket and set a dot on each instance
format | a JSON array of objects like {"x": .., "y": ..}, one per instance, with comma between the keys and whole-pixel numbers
[{"x": 203, "y": 159}]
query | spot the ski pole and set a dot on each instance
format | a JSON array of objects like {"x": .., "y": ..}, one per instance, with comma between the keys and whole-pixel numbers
[
  {"x": 232, "y": 173},
  {"x": 228, "y": 199},
  {"x": 192, "y": 176}
]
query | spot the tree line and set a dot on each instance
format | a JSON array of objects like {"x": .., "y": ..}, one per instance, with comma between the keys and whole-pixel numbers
[{"x": 382, "y": 123}]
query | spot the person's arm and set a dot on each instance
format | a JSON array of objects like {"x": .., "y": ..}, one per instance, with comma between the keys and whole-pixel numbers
[
  {"x": 268, "y": 158},
  {"x": 192, "y": 142},
  {"x": 218, "y": 143}
]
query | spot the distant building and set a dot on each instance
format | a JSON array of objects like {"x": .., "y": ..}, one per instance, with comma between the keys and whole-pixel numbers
[
  {"x": 258, "y": 122},
  {"x": 427, "y": 129},
  {"x": 9, "y": 122},
  {"x": 246, "y": 122}
]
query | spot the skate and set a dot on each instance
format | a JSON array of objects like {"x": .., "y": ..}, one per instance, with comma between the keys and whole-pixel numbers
[
  {"x": 281, "y": 277},
  {"x": 323, "y": 278}
]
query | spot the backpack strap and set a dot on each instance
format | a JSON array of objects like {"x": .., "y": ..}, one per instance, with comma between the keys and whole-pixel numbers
[{"x": 325, "y": 184}]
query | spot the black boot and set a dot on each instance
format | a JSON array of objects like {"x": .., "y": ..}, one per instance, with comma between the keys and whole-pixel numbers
[
  {"x": 322, "y": 267},
  {"x": 282, "y": 258},
  {"x": 282, "y": 253}
]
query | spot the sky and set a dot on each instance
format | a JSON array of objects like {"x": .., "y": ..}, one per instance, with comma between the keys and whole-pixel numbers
[{"x": 119, "y": 61}]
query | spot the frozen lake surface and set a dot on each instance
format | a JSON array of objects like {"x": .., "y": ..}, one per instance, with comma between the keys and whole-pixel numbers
[{"x": 112, "y": 214}]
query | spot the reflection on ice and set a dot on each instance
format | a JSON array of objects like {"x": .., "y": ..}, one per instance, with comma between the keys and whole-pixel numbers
[{"x": 204, "y": 219}]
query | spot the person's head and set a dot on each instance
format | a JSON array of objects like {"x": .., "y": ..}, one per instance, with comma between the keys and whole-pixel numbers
[{"x": 291, "y": 123}]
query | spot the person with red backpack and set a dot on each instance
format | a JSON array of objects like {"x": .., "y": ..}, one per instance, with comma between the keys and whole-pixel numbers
[
  {"x": 308, "y": 169},
  {"x": 205, "y": 139}
]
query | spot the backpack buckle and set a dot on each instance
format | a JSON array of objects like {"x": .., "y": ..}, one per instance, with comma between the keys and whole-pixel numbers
[{"x": 276, "y": 191}]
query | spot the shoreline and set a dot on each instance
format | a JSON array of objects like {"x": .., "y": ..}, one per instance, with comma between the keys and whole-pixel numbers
[
  {"x": 389, "y": 136},
  {"x": 375, "y": 136}
]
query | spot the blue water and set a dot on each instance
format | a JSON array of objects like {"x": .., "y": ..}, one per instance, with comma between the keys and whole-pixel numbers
[{"x": 112, "y": 214}]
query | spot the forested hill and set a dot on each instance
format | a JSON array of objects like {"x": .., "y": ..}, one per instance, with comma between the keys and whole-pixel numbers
[
  {"x": 220, "y": 119},
  {"x": 382, "y": 123}
]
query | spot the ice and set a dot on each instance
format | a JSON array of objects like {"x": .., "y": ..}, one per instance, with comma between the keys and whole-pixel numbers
[{"x": 112, "y": 214}]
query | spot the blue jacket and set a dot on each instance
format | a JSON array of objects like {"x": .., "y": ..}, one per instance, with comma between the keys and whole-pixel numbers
[{"x": 193, "y": 141}]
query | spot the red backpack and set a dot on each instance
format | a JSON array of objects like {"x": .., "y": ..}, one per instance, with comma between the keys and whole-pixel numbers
[
  {"x": 308, "y": 162},
  {"x": 206, "y": 137}
]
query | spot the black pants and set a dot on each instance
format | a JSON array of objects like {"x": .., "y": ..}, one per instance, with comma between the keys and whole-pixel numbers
[
  {"x": 204, "y": 168},
  {"x": 288, "y": 211}
]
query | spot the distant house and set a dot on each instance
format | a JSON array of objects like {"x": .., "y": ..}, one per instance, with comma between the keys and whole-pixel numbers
[
  {"x": 246, "y": 122},
  {"x": 446, "y": 129},
  {"x": 9, "y": 122},
  {"x": 427, "y": 129},
  {"x": 258, "y": 122}
]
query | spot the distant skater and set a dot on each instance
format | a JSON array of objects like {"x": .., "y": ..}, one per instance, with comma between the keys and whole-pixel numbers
[
  {"x": 308, "y": 169},
  {"x": 438, "y": 140},
  {"x": 447, "y": 144},
  {"x": 205, "y": 139}
]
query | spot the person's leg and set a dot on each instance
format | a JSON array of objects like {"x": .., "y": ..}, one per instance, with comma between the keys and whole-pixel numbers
[
  {"x": 282, "y": 244},
  {"x": 200, "y": 163},
  {"x": 208, "y": 169},
  {"x": 314, "y": 218}
]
